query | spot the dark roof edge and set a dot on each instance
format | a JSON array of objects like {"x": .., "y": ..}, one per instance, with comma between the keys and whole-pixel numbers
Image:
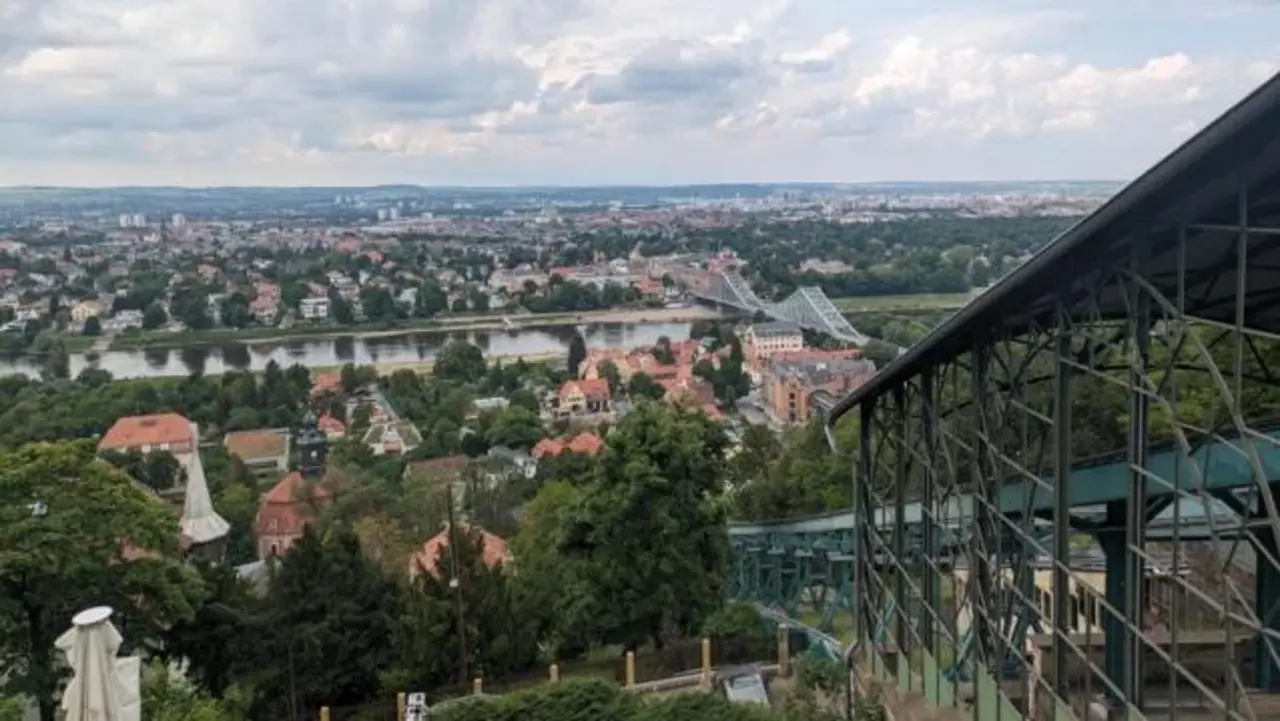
[{"x": 1190, "y": 152}]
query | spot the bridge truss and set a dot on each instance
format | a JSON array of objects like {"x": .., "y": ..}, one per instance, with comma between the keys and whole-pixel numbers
[
  {"x": 1084, "y": 403},
  {"x": 808, "y": 307}
]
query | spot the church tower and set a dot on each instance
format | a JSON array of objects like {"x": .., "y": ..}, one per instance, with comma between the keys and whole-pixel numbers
[{"x": 313, "y": 448}]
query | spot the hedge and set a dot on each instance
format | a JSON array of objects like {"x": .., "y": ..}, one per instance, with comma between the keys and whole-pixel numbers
[{"x": 599, "y": 700}]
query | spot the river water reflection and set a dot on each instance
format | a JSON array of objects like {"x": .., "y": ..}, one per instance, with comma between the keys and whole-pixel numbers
[{"x": 413, "y": 347}]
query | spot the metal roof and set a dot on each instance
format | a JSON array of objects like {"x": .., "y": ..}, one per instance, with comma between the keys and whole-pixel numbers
[{"x": 1199, "y": 181}]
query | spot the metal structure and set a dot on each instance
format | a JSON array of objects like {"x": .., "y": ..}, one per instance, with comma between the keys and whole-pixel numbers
[
  {"x": 808, "y": 307},
  {"x": 1116, "y": 393}
]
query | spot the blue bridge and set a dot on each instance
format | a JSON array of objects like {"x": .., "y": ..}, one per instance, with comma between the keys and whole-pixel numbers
[{"x": 1065, "y": 504}]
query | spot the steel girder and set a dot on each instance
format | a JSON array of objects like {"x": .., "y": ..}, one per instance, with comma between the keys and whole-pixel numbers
[{"x": 808, "y": 307}]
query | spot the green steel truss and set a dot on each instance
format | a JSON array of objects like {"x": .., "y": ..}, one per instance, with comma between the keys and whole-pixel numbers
[{"x": 1065, "y": 498}]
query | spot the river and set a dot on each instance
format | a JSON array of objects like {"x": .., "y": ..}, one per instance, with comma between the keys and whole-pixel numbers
[{"x": 406, "y": 348}]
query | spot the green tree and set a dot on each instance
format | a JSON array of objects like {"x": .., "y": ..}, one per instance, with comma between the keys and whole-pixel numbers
[
  {"x": 235, "y": 311},
  {"x": 460, "y": 361},
  {"x": 55, "y": 360},
  {"x": 167, "y": 696},
  {"x": 66, "y": 520},
  {"x": 332, "y": 614},
  {"x": 647, "y": 545},
  {"x": 515, "y": 427},
  {"x": 577, "y": 353},
  {"x": 609, "y": 372},
  {"x": 643, "y": 385},
  {"x": 431, "y": 299},
  {"x": 497, "y": 641},
  {"x": 92, "y": 326},
  {"x": 154, "y": 317},
  {"x": 540, "y": 588}
]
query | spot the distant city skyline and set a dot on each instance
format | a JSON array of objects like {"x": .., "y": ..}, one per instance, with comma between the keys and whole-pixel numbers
[{"x": 585, "y": 93}]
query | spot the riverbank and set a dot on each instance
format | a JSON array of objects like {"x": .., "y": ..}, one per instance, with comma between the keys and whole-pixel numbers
[
  {"x": 422, "y": 367},
  {"x": 490, "y": 323}
]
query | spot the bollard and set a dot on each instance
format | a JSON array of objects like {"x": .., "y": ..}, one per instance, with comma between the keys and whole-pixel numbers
[
  {"x": 706, "y": 663},
  {"x": 477, "y": 685},
  {"x": 400, "y": 705},
  {"x": 631, "y": 670},
  {"x": 324, "y": 713},
  {"x": 555, "y": 672},
  {"x": 784, "y": 651}
]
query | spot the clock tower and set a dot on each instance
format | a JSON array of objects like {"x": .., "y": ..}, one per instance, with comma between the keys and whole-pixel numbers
[{"x": 313, "y": 447}]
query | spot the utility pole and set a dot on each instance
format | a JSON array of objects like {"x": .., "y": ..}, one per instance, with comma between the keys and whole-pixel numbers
[{"x": 456, "y": 583}]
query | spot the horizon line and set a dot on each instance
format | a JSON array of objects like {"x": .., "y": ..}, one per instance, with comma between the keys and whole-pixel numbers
[{"x": 569, "y": 186}]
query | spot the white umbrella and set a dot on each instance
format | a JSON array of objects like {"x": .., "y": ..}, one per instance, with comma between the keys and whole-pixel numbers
[{"x": 94, "y": 694}]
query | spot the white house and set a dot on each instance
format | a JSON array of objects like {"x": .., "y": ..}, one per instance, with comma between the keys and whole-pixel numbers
[{"x": 314, "y": 308}]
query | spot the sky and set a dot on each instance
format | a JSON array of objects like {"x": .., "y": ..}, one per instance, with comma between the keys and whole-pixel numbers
[{"x": 582, "y": 92}]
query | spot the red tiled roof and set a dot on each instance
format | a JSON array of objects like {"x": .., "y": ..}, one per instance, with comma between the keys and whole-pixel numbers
[
  {"x": 330, "y": 425},
  {"x": 494, "y": 551},
  {"x": 585, "y": 442},
  {"x": 588, "y": 443},
  {"x": 255, "y": 445},
  {"x": 292, "y": 502},
  {"x": 324, "y": 382},
  {"x": 594, "y": 389},
  {"x": 546, "y": 447},
  {"x": 134, "y": 431}
]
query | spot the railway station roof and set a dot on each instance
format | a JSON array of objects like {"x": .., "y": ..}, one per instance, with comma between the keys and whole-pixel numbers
[{"x": 1199, "y": 183}]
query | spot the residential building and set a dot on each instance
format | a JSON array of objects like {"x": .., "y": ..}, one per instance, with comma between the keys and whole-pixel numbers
[
  {"x": 762, "y": 341},
  {"x": 791, "y": 379},
  {"x": 494, "y": 551},
  {"x": 263, "y": 451},
  {"x": 86, "y": 309},
  {"x": 297, "y": 499},
  {"x": 586, "y": 443},
  {"x": 392, "y": 436},
  {"x": 524, "y": 463},
  {"x": 584, "y": 397},
  {"x": 144, "y": 434},
  {"x": 314, "y": 308}
]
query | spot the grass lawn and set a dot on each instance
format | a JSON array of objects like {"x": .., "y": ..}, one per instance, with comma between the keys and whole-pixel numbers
[
  {"x": 901, "y": 302},
  {"x": 842, "y": 624}
]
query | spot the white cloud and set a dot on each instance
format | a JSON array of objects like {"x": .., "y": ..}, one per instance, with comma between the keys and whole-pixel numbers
[{"x": 457, "y": 91}]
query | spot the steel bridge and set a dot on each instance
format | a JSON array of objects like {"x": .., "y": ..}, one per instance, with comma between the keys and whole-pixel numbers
[
  {"x": 1064, "y": 502},
  {"x": 808, "y": 307}
]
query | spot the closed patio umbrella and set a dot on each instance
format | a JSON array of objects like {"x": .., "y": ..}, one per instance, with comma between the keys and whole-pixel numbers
[{"x": 95, "y": 692}]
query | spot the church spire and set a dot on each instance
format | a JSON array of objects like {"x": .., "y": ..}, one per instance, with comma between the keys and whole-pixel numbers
[{"x": 201, "y": 524}]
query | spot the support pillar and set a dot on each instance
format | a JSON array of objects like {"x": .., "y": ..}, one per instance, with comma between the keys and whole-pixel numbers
[
  {"x": 477, "y": 685},
  {"x": 1116, "y": 661},
  {"x": 1266, "y": 598},
  {"x": 555, "y": 673},
  {"x": 629, "y": 680},
  {"x": 930, "y": 547},
  {"x": 706, "y": 663},
  {"x": 784, "y": 651},
  {"x": 401, "y": 705}
]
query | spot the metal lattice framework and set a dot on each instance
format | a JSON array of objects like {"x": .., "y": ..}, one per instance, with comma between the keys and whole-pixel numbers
[
  {"x": 1065, "y": 497},
  {"x": 808, "y": 307}
]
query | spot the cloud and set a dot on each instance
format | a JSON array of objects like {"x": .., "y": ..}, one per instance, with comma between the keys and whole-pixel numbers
[{"x": 360, "y": 91}]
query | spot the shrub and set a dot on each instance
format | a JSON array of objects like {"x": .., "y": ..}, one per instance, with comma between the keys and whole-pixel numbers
[{"x": 739, "y": 634}]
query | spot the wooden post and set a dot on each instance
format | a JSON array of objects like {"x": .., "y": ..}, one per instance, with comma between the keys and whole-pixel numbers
[
  {"x": 631, "y": 670},
  {"x": 477, "y": 685},
  {"x": 400, "y": 706},
  {"x": 706, "y": 663},
  {"x": 784, "y": 651},
  {"x": 555, "y": 673},
  {"x": 324, "y": 713}
]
